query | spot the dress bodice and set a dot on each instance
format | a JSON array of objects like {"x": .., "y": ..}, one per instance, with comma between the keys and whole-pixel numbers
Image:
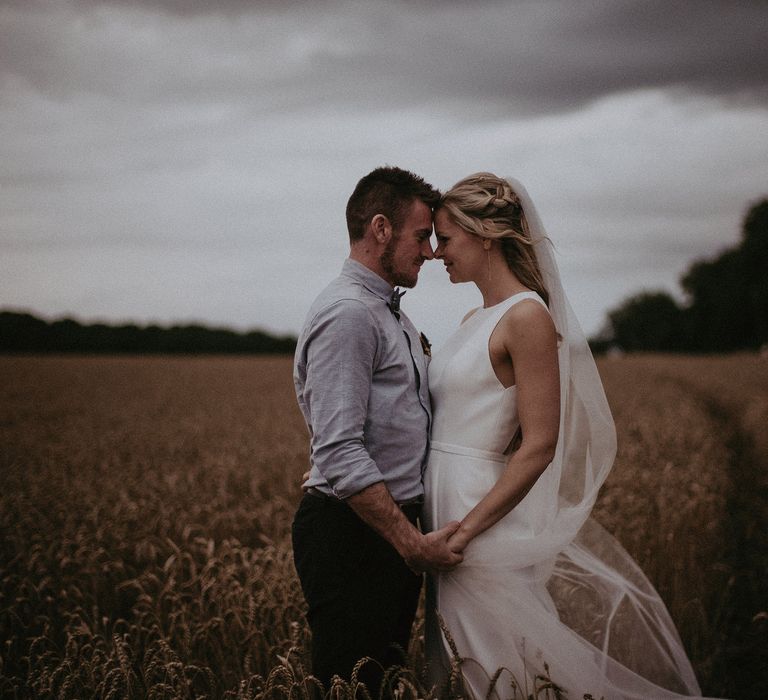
[{"x": 470, "y": 405}]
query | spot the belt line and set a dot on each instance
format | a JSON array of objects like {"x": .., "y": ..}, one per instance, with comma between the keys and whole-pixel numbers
[{"x": 467, "y": 451}]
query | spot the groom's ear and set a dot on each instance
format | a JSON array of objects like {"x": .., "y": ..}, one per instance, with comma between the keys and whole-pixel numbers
[{"x": 382, "y": 228}]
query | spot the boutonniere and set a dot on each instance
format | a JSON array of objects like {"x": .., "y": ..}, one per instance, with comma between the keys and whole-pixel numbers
[{"x": 426, "y": 346}]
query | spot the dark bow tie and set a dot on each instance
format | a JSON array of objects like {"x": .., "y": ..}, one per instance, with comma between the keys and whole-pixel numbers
[{"x": 394, "y": 302}]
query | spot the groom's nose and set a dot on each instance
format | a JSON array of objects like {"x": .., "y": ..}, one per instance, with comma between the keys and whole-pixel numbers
[{"x": 426, "y": 250}]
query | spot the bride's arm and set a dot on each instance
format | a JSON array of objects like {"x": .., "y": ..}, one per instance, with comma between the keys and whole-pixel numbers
[{"x": 530, "y": 339}]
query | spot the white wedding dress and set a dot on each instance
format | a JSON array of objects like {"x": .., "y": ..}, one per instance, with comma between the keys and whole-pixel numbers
[{"x": 546, "y": 584}]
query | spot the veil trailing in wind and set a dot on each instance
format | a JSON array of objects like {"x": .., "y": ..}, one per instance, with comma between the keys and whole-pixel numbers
[{"x": 598, "y": 590}]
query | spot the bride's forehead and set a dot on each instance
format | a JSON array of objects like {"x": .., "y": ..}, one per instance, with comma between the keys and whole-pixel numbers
[
  {"x": 441, "y": 218},
  {"x": 445, "y": 225}
]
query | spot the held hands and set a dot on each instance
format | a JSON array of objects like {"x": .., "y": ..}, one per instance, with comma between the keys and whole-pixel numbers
[
  {"x": 458, "y": 540},
  {"x": 434, "y": 552},
  {"x": 430, "y": 552}
]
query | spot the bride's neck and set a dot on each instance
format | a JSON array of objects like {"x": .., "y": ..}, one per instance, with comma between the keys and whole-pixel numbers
[{"x": 499, "y": 284}]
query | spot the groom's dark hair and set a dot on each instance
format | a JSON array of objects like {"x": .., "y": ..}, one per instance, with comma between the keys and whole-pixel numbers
[{"x": 388, "y": 191}]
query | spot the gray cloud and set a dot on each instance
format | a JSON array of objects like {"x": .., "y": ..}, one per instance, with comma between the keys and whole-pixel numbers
[
  {"x": 523, "y": 57},
  {"x": 169, "y": 160}
]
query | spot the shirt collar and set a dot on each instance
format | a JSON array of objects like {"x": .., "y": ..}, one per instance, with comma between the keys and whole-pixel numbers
[{"x": 368, "y": 278}]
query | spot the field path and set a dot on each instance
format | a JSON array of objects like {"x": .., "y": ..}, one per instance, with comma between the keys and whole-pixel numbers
[
  {"x": 734, "y": 392},
  {"x": 744, "y": 625}
]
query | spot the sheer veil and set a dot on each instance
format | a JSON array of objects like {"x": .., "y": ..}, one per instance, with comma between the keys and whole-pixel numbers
[{"x": 598, "y": 590}]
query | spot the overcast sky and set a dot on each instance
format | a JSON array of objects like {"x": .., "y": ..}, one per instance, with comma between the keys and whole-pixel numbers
[{"x": 173, "y": 160}]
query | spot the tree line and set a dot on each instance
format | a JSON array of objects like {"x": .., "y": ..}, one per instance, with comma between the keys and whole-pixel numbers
[
  {"x": 25, "y": 333},
  {"x": 726, "y": 306}
]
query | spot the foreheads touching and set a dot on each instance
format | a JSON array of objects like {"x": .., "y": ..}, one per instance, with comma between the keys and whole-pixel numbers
[{"x": 387, "y": 191}]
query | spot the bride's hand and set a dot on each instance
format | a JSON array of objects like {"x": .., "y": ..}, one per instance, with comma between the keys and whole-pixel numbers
[
  {"x": 433, "y": 553},
  {"x": 304, "y": 480},
  {"x": 458, "y": 541}
]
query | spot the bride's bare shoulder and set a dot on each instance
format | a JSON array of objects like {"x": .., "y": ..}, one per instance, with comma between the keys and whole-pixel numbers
[{"x": 528, "y": 320}]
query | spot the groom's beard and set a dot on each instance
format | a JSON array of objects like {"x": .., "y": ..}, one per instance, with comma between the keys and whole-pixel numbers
[{"x": 399, "y": 278}]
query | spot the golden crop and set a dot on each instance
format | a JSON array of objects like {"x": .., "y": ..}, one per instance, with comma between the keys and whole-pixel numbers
[{"x": 145, "y": 509}]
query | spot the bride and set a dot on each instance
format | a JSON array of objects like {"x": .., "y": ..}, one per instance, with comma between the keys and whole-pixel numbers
[{"x": 522, "y": 439}]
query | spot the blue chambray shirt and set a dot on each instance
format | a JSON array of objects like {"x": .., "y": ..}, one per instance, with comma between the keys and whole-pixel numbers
[{"x": 356, "y": 384}]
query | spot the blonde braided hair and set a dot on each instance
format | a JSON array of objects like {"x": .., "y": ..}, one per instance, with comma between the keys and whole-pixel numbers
[{"x": 486, "y": 205}]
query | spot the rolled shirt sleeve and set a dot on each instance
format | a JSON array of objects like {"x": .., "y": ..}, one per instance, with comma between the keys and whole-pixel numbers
[{"x": 340, "y": 353}]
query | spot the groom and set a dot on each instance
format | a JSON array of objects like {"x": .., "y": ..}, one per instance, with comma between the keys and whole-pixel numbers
[{"x": 361, "y": 383}]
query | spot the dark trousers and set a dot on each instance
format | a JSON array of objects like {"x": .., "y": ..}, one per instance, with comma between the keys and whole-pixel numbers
[{"x": 361, "y": 596}]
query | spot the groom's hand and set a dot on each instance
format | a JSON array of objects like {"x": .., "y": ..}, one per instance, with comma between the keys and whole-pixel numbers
[
  {"x": 421, "y": 552},
  {"x": 434, "y": 554}
]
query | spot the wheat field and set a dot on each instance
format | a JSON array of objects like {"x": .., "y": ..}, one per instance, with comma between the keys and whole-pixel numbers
[{"x": 145, "y": 509}]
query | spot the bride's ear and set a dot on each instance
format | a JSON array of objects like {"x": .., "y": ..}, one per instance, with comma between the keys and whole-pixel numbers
[{"x": 382, "y": 228}]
